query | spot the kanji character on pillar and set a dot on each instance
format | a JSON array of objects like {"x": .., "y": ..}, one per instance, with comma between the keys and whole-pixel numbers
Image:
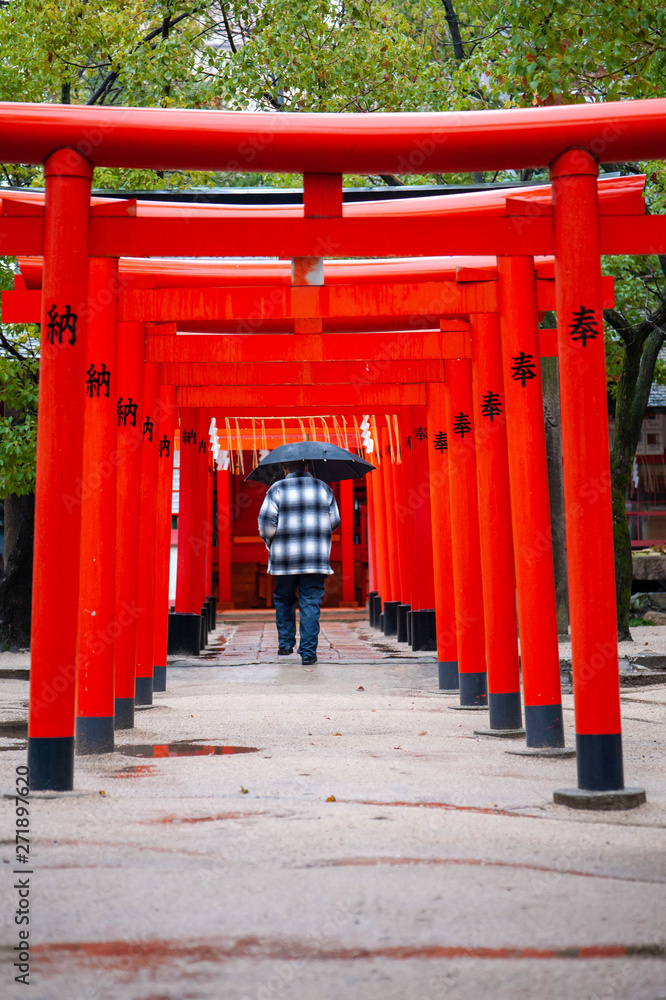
[
  {"x": 97, "y": 380},
  {"x": 490, "y": 405},
  {"x": 147, "y": 428},
  {"x": 408, "y": 442},
  {"x": 523, "y": 368},
  {"x": 165, "y": 447},
  {"x": 441, "y": 443},
  {"x": 127, "y": 411},
  {"x": 462, "y": 424},
  {"x": 584, "y": 325},
  {"x": 60, "y": 323},
  {"x": 189, "y": 437},
  {"x": 420, "y": 433},
  {"x": 202, "y": 447}
]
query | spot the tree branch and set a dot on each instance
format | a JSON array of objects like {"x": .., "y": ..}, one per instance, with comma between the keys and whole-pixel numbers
[
  {"x": 454, "y": 29},
  {"x": 227, "y": 28},
  {"x": 111, "y": 77},
  {"x": 619, "y": 323}
]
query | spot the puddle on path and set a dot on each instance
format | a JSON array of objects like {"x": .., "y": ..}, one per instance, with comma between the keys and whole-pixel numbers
[
  {"x": 135, "y": 771},
  {"x": 182, "y": 749}
]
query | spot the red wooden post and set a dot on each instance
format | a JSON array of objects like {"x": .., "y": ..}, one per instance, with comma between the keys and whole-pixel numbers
[
  {"x": 419, "y": 494},
  {"x": 347, "y": 540},
  {"x": 530, "y": 505},
  {"x": 378, "y": 479},
  {"x": 465, "y": 545},
  {"x": 186, "y": 602},
  {"x": 373, "y": 574},
  {"x": 185, "y": 624},
  {"x": 131, "y": 338},
  {"x": 587, "y": 494},
  {"x": 150, "y": 451},
  {"x": 224, "y": 535},
  {"x": 95, "y": 653},
  {"x": 440, "y": 518},
  {"x": 400, "y": 494},
  {"x": 389, "y": 503},
  {"x": 209, "y": 522},
  {"x": 55, "y": 588},
  {"x": 166, "y": 443},
  {"x": 204, "y": 526},
  {"x": 499, "y": 584}
]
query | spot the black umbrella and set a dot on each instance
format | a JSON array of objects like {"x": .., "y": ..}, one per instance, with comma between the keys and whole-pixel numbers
[{"x": 325, "y": 462}]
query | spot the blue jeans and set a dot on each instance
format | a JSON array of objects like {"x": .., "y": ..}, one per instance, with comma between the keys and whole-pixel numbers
[{"x": 310, "y": 588}]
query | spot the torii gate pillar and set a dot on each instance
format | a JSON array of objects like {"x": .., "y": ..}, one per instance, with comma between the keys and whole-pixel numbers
[
  {"x": 55, "y": 589},
  {"x": 587, "y": 493}
]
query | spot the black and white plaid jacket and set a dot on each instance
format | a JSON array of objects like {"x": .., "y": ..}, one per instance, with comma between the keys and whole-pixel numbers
[{"x": 295, "y": 521}]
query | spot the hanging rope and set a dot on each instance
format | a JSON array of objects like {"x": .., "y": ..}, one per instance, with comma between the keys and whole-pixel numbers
[
  {"x": 241, "y": 463},
  {"x": 255, "y": 456},
  {"x": 303, "y": 430},
  {"x": 327, "y": 436},
  {"x": 313, "y": 429},
  {"x": 230, "y": 448},
  {"x": 390, "y": 435},
  {"x": 264, "y": 441},
  {"x": 396, "y": 431},
  {"x": 375, "y": 436},
  {"x": 284, "y": 433},
  {"x": 344, "y": 431},
  {"x": 359, "y": 439}
]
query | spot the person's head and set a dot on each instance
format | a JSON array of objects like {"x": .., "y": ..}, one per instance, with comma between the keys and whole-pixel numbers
[{"x": 301, "y": 467}]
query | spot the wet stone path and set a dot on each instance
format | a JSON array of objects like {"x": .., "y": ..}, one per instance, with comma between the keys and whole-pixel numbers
[{"x": 344, "y": 638}]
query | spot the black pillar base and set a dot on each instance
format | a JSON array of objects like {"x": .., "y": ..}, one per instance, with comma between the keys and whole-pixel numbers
[
  {"x": 184, "y": 634},
  {"x": 143, "y": 691},
  {"x": 543, "y": 726},
  {"x": 505, "y": 711},
  {"x": 159, "y": 678},
  {"x": 51, "y": 763},
  {"x": 381, "y": 622},
  {"x": 373, "y": 593},
  {"x": 391, "y": 617},
  {"x": 599, "y": 762},
  {"x": 409, "y": 626},
  {"x": 403, "y": 610},
  {"x": 473, "y": 689},
  {"x": 211, "y": 604},
  {"x": 124, "y": 713},
  {"x": 94, "y": 734},
  {"x": 376, "y": 610},
  {"x": 424, "y": 630},
  {"x": 204, "y": 627},
  {"x": 448, "y": 675}
]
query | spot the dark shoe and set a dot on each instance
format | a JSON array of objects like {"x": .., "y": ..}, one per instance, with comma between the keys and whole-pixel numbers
[
  {"x": 307, "y": 661},
  {"x": 285, "y": 651}
]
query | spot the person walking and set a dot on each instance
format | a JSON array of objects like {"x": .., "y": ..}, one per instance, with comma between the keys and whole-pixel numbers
[{"x": 296, "y": 520}]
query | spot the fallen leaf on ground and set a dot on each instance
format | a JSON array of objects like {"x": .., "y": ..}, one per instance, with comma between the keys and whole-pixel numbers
[
  {"x": 361, "y": 688},
  {"x": 331, "y": 798},
  {"x": 424, "y": 733},
  {"x": 337, "y": 734},
  {"x": 244, "y": 791}
]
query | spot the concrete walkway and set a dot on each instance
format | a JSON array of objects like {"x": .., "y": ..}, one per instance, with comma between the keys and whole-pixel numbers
[{"x": 373, "y": 848}]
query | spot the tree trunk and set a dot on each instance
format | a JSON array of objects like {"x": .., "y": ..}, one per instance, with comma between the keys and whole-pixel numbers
[
  {"x": 16, "y": 584},
  {"x": 642, "y": 346}
]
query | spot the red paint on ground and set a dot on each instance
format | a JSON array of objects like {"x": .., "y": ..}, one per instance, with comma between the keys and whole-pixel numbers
[{"x": 152, "y": 954}]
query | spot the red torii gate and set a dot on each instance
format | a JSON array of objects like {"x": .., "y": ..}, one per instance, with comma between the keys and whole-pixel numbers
[{"x": 534, "y": 137}]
